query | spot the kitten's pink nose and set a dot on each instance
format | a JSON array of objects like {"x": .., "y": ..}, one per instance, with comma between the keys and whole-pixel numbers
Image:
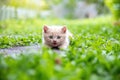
[{"x": 54, "y": 41}]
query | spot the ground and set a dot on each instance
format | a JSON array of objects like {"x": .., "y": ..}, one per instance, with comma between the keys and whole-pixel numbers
[{"x": 93, "y": 54}]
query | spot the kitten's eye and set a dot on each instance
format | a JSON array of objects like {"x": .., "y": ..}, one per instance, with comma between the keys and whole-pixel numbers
[
  {"x": 58, "y": 37},
  {"x": 50, "y": 37}
]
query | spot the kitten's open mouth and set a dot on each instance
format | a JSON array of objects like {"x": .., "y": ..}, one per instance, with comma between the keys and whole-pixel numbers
[{"x": 54, "y": 44}]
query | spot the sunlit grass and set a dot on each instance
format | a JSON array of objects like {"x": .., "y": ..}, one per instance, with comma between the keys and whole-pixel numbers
[{"x": 93, "y": 54}]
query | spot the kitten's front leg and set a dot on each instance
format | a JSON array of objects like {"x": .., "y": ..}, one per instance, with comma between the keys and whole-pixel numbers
[{"x": 63, "y": 46}]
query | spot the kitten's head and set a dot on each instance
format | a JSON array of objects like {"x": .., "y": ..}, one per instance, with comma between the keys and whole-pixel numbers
[{"x": 54, "y": 36}]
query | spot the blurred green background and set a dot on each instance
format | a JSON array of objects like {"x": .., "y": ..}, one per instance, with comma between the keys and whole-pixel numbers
[
  {"x": 93, "y": 54},
  {"x": 69, "y": 9}
]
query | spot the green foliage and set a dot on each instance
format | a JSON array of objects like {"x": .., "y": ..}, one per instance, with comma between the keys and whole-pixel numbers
[
  {"x": 4, "y": 2},
  {"x": 101, "y": 7},
  {"x": 7, "y": 41},
  {"x": 54, "y": 1},
  {"x": 93, "y": 54},
  {"x": 30, "y": 4},
  {"x": 114, "y": 6},
  {"x": 70, "y": 6}
]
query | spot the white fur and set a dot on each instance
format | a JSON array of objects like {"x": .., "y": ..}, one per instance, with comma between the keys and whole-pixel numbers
[{"x": 56, "y": 29}]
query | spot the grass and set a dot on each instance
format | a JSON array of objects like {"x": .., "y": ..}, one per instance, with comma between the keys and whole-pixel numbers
[{"x": 93, "y": 54}]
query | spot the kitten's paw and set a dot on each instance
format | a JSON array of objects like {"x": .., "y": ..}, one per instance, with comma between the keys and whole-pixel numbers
[{"x": 63, "y": 47}]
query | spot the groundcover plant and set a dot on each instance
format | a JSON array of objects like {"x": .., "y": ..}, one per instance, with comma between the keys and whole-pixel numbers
[{"x": 93, "y": 54}]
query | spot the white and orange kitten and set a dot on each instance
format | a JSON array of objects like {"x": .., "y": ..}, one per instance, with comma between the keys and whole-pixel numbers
[{"x": 56, "y": 37}]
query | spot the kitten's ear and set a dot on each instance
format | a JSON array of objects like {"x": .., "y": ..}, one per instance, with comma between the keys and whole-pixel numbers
[
  {"x": 64, "y": 29},
  {"x": 45, "y": 28}
]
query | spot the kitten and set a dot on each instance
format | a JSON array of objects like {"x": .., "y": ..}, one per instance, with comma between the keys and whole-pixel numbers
[{"x": 56, "y": 37}]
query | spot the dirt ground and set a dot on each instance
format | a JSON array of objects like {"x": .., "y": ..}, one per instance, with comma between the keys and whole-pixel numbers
[{"x": 25, "y": 49}]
